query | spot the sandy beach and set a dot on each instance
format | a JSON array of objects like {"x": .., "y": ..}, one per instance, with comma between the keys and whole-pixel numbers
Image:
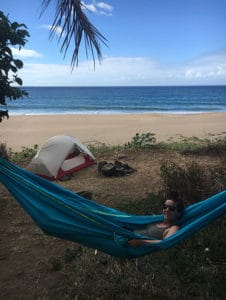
[{"x": 19, "y": 131}]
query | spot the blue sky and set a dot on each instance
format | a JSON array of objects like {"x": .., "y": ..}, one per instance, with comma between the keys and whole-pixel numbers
[{"x": 150, "y": 42}]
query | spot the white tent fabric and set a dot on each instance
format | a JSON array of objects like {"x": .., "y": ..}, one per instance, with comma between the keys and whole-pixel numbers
[
  {"x": 75, "y": 162},
  {"x": 61, "y": 154}
]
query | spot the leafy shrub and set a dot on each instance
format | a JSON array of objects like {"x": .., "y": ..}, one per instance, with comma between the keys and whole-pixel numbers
[
  {"x": 193, "y": 181},
  {"x": 218, "y": 178},
  {"x": 143, "y": 140},
  {"x": 4, "y": 152},
  {"x": 25, "y": 153}
]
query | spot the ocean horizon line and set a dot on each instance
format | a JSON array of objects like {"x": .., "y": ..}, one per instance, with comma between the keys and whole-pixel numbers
[{"x": 121, "y": 86}]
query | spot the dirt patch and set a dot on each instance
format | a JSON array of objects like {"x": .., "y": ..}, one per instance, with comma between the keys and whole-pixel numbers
[{"x": 27, "y": 255}]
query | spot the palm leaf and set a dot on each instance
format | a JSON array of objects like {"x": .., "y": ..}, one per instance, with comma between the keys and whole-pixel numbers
[{"x": 75, "y": 26}]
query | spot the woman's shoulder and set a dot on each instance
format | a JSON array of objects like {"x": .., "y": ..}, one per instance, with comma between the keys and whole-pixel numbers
[
  {"x": 162, "y": 225},
  {"x": 173, "y": 228}
]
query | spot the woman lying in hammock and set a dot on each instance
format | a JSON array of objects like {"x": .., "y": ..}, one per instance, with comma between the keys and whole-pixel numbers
[{"x": 173, "y": 210}]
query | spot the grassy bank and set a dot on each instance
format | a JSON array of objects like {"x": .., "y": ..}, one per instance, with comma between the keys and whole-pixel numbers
[{"x": 195, "y": 269}]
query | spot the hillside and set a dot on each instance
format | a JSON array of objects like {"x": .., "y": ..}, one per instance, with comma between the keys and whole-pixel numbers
[{"x": 35, "y": 266}]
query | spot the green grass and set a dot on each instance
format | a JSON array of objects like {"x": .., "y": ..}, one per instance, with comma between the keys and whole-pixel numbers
[
  {"x": 192, "y": 145},
  {"x": 194, "y": 269},
  {"x": 195, "y": 145}
]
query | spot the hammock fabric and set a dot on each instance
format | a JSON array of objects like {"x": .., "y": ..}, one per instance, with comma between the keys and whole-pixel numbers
[{"x": 65, "y": 214}]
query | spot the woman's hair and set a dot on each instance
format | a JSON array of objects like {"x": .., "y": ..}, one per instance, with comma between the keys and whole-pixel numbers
[{"x": 174, "y": 195}]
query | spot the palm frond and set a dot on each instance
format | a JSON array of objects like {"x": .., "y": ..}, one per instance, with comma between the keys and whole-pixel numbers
[{"x": 74, "y": 26}]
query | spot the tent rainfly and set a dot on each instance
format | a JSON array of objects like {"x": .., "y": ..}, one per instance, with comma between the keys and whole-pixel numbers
[{"x": 61, "y": 155}]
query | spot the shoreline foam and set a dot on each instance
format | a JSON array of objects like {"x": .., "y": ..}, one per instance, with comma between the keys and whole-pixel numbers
[{"x": 110, "y": 112}]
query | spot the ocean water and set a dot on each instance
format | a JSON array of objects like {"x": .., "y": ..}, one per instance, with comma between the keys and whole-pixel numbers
[{"x": 120, "y": 100}]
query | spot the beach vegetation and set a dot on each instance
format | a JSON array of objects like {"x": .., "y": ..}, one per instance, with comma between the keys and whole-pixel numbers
[
  {"x": 208, "y": 147},
  {"x": 103, "y": 148},
  {"x": 193, "y": 181},
  {"x": 12, "y": 35},
  {"x": 141, "y": 141},
  {"x": 185, "y": 145},
  {"x": 196, "y": 145},
  {"x": 4, "y": 151},
  {"x": 26, "y": 153}
]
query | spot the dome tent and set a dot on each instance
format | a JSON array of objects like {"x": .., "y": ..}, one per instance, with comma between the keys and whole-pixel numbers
[{"x": 60, "y": 155}]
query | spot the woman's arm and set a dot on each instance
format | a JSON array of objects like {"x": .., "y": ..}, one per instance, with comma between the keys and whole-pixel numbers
[{"x": 139, "y": 242}]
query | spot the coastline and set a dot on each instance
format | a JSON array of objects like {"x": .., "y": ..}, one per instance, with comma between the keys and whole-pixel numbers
[{"x": 111, "y": 129}]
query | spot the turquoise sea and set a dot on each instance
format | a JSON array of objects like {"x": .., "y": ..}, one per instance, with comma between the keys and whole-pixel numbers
[{"x": 120, "y": 100}]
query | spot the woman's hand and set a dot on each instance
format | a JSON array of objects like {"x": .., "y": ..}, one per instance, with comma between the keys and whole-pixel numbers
[{"x": 135, "y": 242}]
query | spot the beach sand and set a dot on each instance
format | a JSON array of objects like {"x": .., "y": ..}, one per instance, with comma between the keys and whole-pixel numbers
[{"x": 26, "y": 131}]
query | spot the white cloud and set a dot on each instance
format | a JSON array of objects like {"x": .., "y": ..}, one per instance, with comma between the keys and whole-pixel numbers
[
  {"x": 101, "y": 8},
  {"x": 26, "y": 53},
  {"x": 104, "y": 6},
  {"x": 90, "y": 7},
  {"x": 57, "y": 29},
  {"x": 209, "y": 69}
]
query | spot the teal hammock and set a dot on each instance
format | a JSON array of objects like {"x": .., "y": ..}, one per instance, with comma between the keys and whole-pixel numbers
[{"x": 67, "y": 215}]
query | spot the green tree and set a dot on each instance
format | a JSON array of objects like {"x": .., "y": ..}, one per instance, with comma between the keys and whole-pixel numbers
[{"x": 11, "y": 35}]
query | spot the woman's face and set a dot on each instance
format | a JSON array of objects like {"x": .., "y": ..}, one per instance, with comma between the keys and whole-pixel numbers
[{"x": 170, "y": 211}]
